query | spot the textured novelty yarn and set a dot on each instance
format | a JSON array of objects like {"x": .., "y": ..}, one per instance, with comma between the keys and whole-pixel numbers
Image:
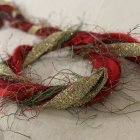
[{"x": 101, "y": 49}]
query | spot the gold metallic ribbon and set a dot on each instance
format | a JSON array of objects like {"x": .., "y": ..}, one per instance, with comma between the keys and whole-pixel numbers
[
  {"x": 5, "y": 70},
  {"x": 45, "y": 45},
  {"x": 102, "y": 73},
  {"x": 7, "y": 73},
  {"x": 35, "y": 28},
  {"x": 125, "y": 49},
  {"x": 119, "y": 49},
  {"x": 76, "y": 92}
]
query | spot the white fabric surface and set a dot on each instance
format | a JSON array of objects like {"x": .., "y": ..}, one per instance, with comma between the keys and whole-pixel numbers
[{"x": 111, "y": 15}]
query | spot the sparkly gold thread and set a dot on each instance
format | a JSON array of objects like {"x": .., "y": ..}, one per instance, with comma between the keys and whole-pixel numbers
[
  {"x": 42, "y": 47},
  {"x": 119, "y": 49},
  {"x": 45, "y": 45},
  {"x": 125, "y": 49},
  {"x": 75, "y": 92},
  {"x": 102, "y": 74},
  {"x": 35, "y": 28},
  {"x": 15, "y": 13},
  {"x": 5, "y": 70},
  {"x": 7, "y": 73}
]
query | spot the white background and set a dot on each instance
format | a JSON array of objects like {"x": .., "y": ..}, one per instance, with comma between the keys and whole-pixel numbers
[{"x": 111, "y": 15}]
